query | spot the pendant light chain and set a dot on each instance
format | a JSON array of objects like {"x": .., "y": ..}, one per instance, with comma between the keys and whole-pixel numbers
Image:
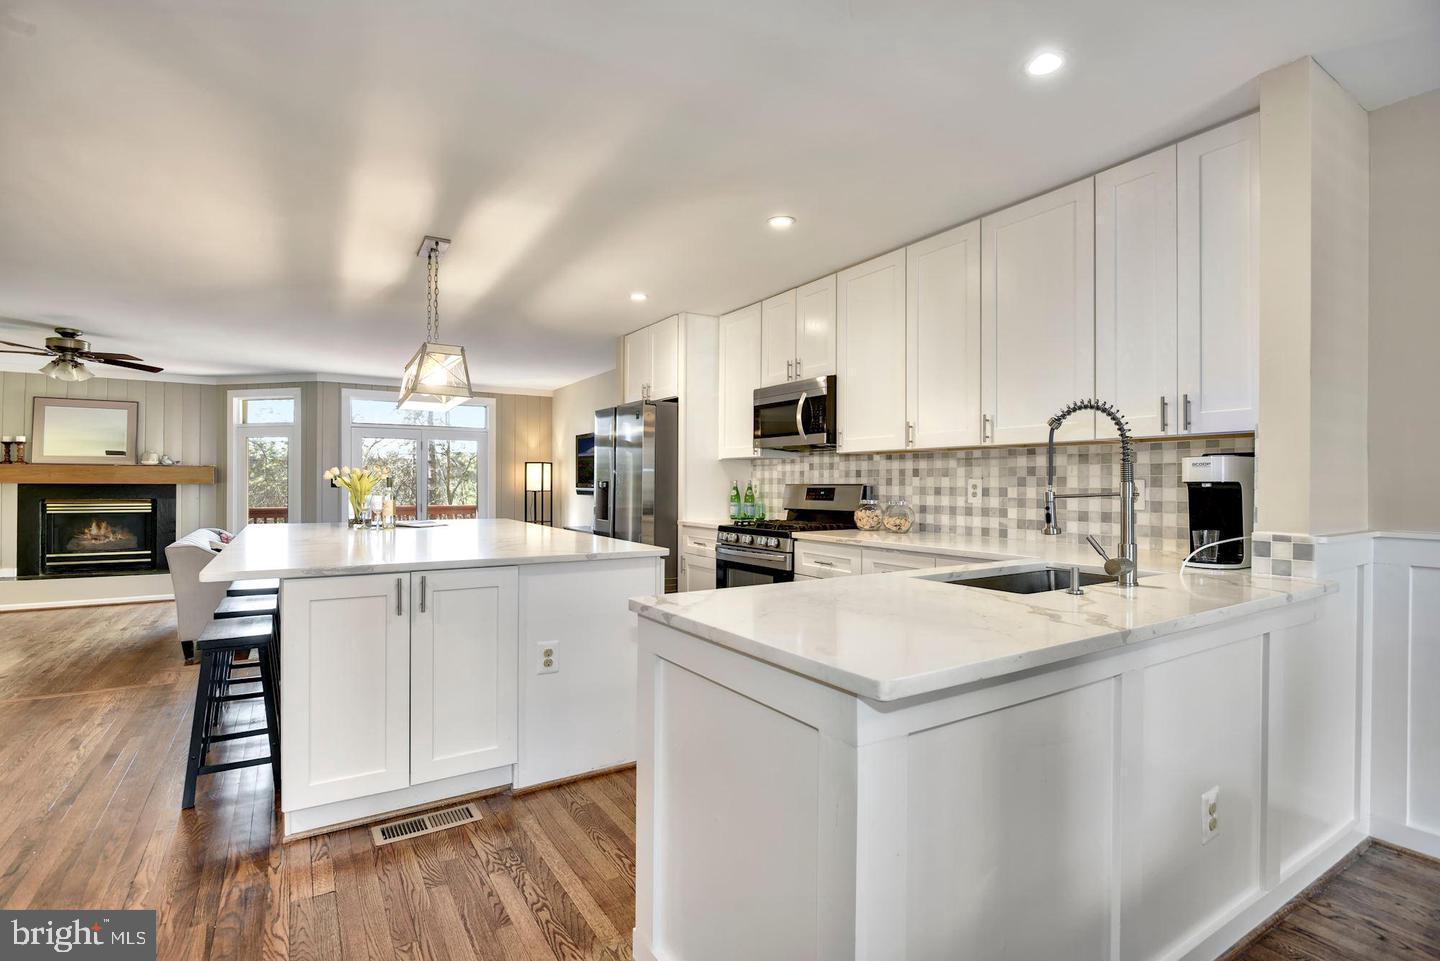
[{"x": 432, "y": 297}]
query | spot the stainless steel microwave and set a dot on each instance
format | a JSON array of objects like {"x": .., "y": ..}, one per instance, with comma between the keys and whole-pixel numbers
[{"x": 799, "y": 415}]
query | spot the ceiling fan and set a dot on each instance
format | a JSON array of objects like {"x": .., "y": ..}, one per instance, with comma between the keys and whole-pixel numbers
[{"x": 68, "y": 354}]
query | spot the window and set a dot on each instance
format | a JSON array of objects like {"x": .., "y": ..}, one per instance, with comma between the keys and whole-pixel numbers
[
  {"x": 264, "y": 449},
  {"x": 441, "y": 463}
]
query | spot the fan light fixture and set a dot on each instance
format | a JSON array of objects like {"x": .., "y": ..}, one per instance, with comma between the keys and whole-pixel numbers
[
  {"x": 437, "y": 378},
  {"x": 67, "y": 369}
]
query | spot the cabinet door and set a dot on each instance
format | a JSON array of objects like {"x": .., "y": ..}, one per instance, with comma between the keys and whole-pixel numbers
[
  {"x": 463, "y": 678},
  {"x": 815, "y": 329},
  {"x": 870, "y": 353},
  {"x": 886, "y": 562},
  {"x": 1135, "y": 333},
  {"x": 699, "y": 574},
  {"x": 636, "y": 351},
  {"x": 1037, "y": 305},
  {"x": 739, "y": 339},
  {"x": 777, "y": 339},
  {"x": 1218, "y": 176},
  {"x": 665, "y": 359},
  {"x": 942, "y": 325},
  {"x": 346, "y": 696}
]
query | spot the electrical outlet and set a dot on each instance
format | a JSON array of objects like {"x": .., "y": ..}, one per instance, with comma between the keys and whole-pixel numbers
[
  {"x": 548, "y": 659},
  {"x": 972, "y": 492},
  {"x": 1209, "y": 815}
]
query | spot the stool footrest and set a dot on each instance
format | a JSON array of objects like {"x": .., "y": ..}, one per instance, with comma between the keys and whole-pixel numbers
[
  {"x": 232, "y": 765},
  {"x": 234, "y": 735}
]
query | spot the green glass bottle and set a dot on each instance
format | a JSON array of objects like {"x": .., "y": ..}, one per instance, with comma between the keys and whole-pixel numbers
[
  {"x": 748, "y": 507},
  {"x": 734, "y": 500}
]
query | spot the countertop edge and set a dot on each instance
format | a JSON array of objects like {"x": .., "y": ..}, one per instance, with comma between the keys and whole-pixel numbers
[
  {"x": 285, "y": 573},
  {"x": 907, "y": 687}
]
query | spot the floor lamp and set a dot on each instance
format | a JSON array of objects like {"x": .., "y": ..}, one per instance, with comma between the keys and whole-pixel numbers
[{"x": 539, "y": 492}]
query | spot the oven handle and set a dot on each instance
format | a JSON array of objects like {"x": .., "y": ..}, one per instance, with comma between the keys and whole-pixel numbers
[{"x": 763, "y": 559}]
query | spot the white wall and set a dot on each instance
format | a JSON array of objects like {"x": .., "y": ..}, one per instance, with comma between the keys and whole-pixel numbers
[
  {"x": 1314, "y": 304},
  {"x": 574, "y": 413},
  {"x": 1404, "y": 292}
]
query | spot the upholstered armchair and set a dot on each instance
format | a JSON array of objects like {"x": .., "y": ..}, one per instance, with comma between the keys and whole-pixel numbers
[{"x": 195, "y": 600}]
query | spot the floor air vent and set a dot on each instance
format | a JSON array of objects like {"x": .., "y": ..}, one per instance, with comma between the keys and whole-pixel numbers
[{"x": 424, "y": 824}]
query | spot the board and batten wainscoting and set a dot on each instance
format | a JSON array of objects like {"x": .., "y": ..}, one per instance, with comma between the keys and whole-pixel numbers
[{"x": 188, "y": 422}]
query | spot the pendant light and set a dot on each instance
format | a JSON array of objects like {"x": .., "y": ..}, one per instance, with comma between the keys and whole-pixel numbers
[{"x": 437, "y": 378}]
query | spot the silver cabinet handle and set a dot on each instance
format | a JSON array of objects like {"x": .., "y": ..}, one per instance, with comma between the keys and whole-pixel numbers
[
  {"x": 399, "y": 593},
  {"x": 1187, "y": 412},
  {"x": 985, "y": 435},
  {"x": 789, "y": 370},
  {"x": 1164, "y": 414},
  {"x": 909, "y": 433},
  {"x": 822, "y": 563},
  {"x": 797, "y": 368},
  {"x": 422, "y": 593}
]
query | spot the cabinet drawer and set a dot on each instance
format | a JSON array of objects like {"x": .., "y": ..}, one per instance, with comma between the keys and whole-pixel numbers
[
  {"x": 886, "y": 561},
  {"x": 826, "y": 560},
  {"x": 698, "y": 542}
]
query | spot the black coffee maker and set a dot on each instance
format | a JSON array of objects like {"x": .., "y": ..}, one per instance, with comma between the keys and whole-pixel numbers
[{"x": 1221, "y": 490}]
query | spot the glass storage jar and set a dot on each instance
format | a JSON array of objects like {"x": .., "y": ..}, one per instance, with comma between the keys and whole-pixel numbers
[
  {"x": 868, "y": 516},
  {"x": 899, "y": 516}
]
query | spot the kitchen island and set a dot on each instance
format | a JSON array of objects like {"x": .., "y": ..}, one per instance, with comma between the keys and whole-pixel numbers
[
  {"x": 911, "y": 768},
  {"x": 423, "y": 664}
]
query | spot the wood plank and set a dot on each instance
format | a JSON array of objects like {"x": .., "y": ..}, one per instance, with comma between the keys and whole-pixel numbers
[{"x": 106, "y": 474}]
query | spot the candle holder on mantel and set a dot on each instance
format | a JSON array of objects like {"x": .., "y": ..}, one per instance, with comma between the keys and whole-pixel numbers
[
  {"x": 19, "y": 457},
  {"x": 6, "y": 442}
]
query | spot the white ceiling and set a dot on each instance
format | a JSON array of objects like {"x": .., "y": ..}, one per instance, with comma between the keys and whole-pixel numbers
[{"x": 238, "y": 186}]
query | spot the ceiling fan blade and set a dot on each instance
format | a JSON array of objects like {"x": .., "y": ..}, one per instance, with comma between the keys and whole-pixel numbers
[
  {"x": 128, "y": 364},
  {"x": 101, "y": 355},
  {"x": 12, "y": 343},
  {"x": 33, "y": 353}
]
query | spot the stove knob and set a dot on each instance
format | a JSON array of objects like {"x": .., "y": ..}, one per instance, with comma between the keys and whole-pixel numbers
[
  {"x": 772, "y": 542},
  {"x": 747, "y": 539}
]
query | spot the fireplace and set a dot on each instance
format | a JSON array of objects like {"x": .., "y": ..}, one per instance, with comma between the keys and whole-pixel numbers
[{"x": 71, "y": 530}]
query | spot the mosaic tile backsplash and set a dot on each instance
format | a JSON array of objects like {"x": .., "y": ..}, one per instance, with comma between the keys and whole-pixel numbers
[{"x": 1013, "y": 486}]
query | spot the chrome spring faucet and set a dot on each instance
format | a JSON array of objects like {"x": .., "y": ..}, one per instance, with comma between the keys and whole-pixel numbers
[{"x": 1122, "y": 568}]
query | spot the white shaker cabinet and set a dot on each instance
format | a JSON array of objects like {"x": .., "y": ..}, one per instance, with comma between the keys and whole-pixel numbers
[
  {"x": 346, "y": 696},
  {"x": 698, "y": 573},
  {"x": 739, "y": 375},
  {"x": 1218, "y": 214},
  {"x": 464, "y": 633},
  {"x": 942, "y": 307},
  {"x": 1038, "y": 315},
  {"x": 777, "y": 339},
  {"x": 1136, "y": 367},
  {"x": 651, "y": 356},
  {"x": 870, "y": 354},
  {"x": 815, "y": 329}
]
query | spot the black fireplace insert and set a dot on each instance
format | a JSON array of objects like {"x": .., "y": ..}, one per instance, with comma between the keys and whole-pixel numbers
[{"x": 70, "y": 530}]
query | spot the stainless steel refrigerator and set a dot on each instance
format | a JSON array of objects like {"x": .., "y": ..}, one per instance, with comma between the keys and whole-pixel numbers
[{"x": 637, "y": 477}]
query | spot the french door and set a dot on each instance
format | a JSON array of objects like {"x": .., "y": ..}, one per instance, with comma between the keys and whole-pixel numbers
[{"x": 437, "y": 473}]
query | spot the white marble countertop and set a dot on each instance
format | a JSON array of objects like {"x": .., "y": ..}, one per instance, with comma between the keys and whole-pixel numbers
[
  {"x": 892, "y": 636},
  {"x": 322, "y": 550}
]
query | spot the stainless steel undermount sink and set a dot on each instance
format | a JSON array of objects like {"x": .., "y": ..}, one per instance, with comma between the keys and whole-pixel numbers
[{"x": 1030, "y": 582}]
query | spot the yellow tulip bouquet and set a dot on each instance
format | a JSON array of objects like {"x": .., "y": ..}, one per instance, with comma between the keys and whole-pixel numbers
[{"x": 359, "y": 482}]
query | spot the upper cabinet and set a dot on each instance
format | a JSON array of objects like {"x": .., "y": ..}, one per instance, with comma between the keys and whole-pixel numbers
[
  {"x": 815, "y": 329},
  {"x": 1038, "y": 315},
  {"x": 1136, "y": 365},
  {"x": 777, "y": 339},
  {"x": 651, "y": 356},
  {"x": 942, "y": 339},
  {"x": 1218, "y": 213},
  {"x": 870, "y": 354},
  {"x": 738, "y": 341},
  {"x": 797, "y": 339}
]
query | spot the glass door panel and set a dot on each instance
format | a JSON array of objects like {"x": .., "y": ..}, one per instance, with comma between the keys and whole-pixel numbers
[
  {"x": 267, "y": 480},
  {"x": 452, "y": 478},
  {"x": 401, "y": 456}
]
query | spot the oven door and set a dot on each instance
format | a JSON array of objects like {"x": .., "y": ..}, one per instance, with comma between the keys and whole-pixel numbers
[
  {"x": 744, "y": 566},
  {"x": 796, "y": 416}
]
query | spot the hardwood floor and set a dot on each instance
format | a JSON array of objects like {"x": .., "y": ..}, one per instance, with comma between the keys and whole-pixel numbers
[
  {"x": 94, "y": 716},
  {"x": 94, "y": 713}
]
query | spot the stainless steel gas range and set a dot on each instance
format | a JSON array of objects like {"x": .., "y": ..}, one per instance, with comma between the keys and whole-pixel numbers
[{"x": 762, "y": 552}]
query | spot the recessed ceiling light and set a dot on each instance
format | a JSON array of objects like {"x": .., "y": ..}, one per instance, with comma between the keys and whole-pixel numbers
[
  {"x": 782, "y": 222},
  {"x": 639, "y": 295},
  {"x": 1045, "y": 63}
]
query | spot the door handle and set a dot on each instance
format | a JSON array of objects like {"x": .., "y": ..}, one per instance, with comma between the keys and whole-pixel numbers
[
  {"x": 1187, "y": 412},
  {"x": 800, "y": 414},
  {"x": 985, "y": 433},
  {"x": 1164, "y": 414},
  {"x": 422, "y": 593},
  {"x": 399, "y": 593},
  {"x": 789, "y": 370}
]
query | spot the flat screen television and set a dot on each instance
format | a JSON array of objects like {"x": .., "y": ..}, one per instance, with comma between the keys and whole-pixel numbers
[{"x": 584, "y": 463}]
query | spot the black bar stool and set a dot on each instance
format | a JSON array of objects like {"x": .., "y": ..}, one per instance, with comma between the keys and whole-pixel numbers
[
  {"x": 254, "y": 605},
  {"x": 259, "y": 585},
  {"x": 218, "y": 646}
]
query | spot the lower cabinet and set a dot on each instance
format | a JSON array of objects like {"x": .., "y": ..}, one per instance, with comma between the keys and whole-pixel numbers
[
  {"x": 697, "y": 573},
  {"x": 885, "y": 562},
  {"x": 380, "y": 694}
]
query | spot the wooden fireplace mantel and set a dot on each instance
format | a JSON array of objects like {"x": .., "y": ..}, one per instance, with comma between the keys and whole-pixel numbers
[{"x": 106, "y": 474}]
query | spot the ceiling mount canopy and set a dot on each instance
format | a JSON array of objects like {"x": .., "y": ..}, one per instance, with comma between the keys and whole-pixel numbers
[{"x": 437, "y": 377}]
